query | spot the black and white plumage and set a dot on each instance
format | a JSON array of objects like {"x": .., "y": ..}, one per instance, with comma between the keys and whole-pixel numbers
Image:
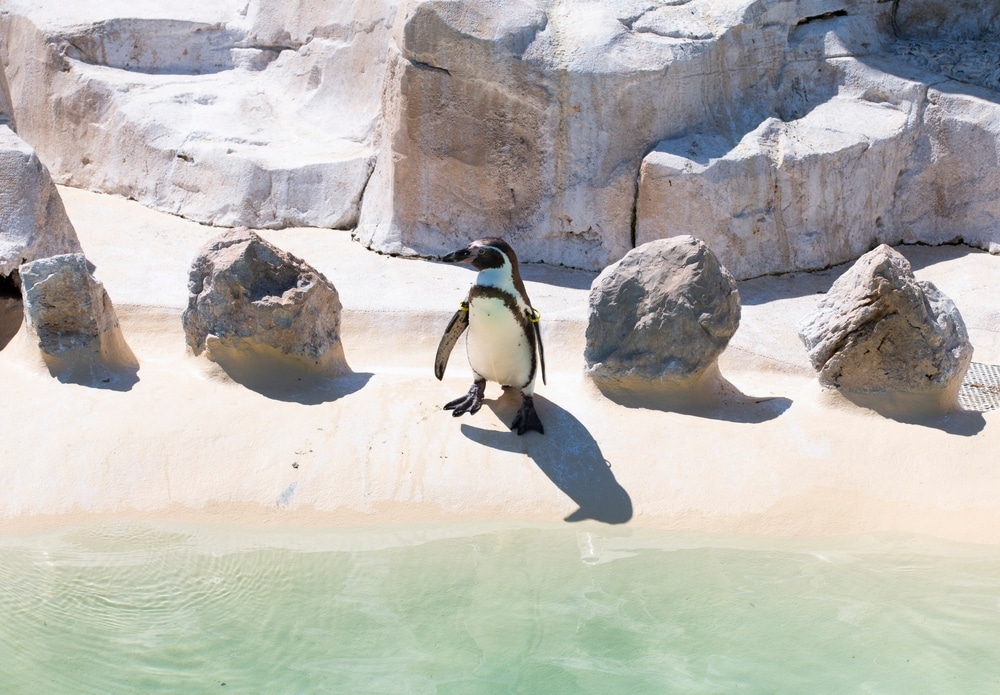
[{"x": 504, "y": 343}]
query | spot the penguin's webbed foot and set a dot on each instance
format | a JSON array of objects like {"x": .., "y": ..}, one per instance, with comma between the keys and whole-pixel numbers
[
  {"x": 526, "y": 418},
  {"x": 469, "y": 403}
]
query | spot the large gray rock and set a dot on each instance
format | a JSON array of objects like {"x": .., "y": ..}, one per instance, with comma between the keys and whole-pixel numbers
[
  {"x": 880, "y": 330},
  {"x": 69, "y": 315},
  {"x": 248, "y": 297},
  {"x": 664, "y": 313},
  {"x": 33, "y": 221}
]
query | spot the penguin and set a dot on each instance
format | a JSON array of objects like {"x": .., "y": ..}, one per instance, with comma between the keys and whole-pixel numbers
[{"x": 504, "y": 343}]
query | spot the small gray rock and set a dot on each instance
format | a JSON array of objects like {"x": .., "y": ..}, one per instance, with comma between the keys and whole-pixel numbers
[
  {"x": 879, "y": 330},
  {"x": 246, "y": 294},
  {"x": 665, "y": 311},
  {"x": 70, "y": 315}
]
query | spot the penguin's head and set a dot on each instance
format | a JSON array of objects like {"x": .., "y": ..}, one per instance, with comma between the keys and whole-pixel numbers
[{"x": 484, "y": 254}]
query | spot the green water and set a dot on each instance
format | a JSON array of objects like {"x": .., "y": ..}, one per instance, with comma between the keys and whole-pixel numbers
[{"x": 133, "y": 607}]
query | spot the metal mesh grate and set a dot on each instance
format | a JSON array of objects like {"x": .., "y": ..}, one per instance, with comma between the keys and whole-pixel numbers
[{"x": 981, "y": 388}]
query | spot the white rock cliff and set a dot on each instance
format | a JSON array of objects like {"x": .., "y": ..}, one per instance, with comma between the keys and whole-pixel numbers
[{"x": 788, "y": 134}]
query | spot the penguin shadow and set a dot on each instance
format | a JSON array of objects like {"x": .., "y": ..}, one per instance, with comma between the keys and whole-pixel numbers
[
  {"x": 567, "y": 454},
  {"x": 715, "y": 398}
]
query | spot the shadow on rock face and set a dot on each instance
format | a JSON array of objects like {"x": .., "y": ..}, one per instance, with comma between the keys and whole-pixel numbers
[
  {"x": 11, "y": 317},
  {"x": 558, "y": 276},
  {"x": 710, "y": 396},
  {"x": 567, "y": 454},
  {"x": 284, "y": 378}
]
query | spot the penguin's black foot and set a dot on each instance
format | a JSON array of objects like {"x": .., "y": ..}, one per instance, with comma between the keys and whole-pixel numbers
[
  {"x": 469, "y": 403},
  {"x": 526, "y": 418}
]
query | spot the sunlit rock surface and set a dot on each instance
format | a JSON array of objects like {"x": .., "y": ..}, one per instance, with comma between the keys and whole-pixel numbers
[
  {"x": 224, "y": 112},
  {"x": 789, "y": 134}
]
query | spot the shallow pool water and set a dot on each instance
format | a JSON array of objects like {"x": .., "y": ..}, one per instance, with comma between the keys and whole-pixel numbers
[{"x": 135, "y": 607}]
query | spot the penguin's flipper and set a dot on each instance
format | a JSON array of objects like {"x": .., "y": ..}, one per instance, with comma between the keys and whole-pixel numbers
[
  {"x": 456, "y": 327},
  {"x": 538, "y": 341}
]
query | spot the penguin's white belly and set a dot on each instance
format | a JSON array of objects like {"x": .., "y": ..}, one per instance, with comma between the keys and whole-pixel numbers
[{"x": 498, "y": 348}]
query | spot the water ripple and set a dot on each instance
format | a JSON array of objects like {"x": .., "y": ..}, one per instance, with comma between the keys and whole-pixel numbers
[{"x": 133, "y": 608}]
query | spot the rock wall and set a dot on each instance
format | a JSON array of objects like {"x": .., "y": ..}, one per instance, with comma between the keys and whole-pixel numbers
[
  {"x": 227, "y": 113},
  {"x": 789, "y": 195},
  {"x": 33, "y": 221},
  {"x": 789, "y": 134},
  {"x": 6, "y": 105},
  {"x": 861, "y": 150},
  {"x": 530, "y": 120}
]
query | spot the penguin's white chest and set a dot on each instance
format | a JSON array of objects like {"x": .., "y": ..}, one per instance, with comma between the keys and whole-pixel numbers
[{"x": 499, "y": 349}]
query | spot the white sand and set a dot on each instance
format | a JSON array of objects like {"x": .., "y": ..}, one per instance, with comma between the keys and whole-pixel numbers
[{"x": 779, "y": 456}]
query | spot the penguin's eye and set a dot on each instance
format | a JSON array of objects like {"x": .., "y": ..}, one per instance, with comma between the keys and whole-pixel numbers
[{"x": 490, "y": 258}]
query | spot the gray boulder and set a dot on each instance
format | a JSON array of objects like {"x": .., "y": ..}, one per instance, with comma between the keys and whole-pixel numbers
[
  {"x": 663, "y": 313},
  {"x": 70, "y": 316},
  {"x": 880, "y": 330},
  {"x": 249, "y": 298}
]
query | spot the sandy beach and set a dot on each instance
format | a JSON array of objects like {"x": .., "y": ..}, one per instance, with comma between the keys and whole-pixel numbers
[{"x": 773, "y": 454}]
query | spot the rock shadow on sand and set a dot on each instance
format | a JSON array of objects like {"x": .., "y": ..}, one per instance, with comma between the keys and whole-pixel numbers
[
  {"x": 283, "y": 378},
  {"x": 567, "y": 454},
  {"x": 913, "y": 409},
  {"x": 712, "y": 396},
  {"x": 117, "y": 369},
  {"x": 118, "y": 377}
]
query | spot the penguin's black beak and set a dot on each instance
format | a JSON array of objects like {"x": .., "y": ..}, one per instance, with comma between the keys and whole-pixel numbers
[{"x": 460, "y": 256}]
